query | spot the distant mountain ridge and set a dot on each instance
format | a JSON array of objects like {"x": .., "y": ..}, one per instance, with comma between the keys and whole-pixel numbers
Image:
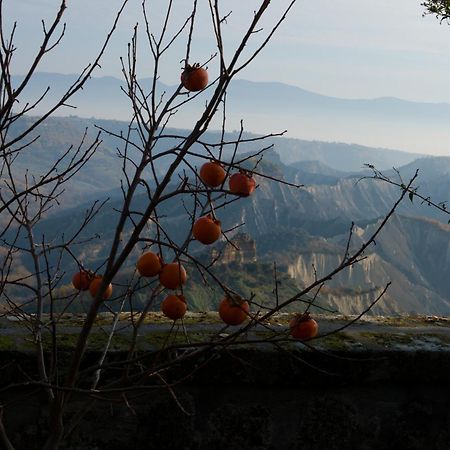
[{"x": 269, "y": 106}]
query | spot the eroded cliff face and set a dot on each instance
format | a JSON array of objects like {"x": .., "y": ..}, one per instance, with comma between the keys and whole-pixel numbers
[
  {"x": 303, "y": 267},
  {"x": 349, "y": 292},
  {"x": 305, "y": 230},
  {"x": 242, "y": 250},
  {"x": 412, "y": 254}
]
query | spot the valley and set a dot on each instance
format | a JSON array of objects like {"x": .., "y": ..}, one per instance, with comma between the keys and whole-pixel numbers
[{"x": 301, "y": 231}]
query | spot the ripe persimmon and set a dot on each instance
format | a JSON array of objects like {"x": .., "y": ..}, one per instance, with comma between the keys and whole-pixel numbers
[
  {"x": 95, "y": 286},
  {"x": 206, "y": 230},
  {"x": 172, "y": 275},
  {"x": 242, "y": 183},
  {"x": 149, "y": 264},
  {"x": 174, "y": 306},
  {"x": 303, "y": 327},
  {"x": 81, "y": 280},
  {"x": 233, "y": 310},
  {"x": 212, "y": 174},
  {"x": 194, "y": 78}
]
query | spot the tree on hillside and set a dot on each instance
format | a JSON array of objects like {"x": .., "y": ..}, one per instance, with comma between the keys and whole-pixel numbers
[{"x": 205, "y": 183}]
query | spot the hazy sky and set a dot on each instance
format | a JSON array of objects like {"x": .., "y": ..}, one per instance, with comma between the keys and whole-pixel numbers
[{"x": 341, "y": 48}]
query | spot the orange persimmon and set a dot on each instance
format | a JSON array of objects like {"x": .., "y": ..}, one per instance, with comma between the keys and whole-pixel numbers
[
  {"x": 206, "y": 230},
  {"x": 149, "y": 264},
  {"x": 303, "y": 327},
  {"x": 212, "y": 174},
  {"x": 242, "y": 183},
  {"x": 95, "y": 286},
  {"x": 81, "y": 280},
  {"x": 194, "y": 78},
  {"x": 174, "y": 306},
  {"x": 233, "y": 310},
  {"x": 172, "y": 275}
]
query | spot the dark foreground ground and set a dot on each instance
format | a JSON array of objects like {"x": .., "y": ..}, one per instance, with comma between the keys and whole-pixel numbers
[{"x": 379, "y": 384}]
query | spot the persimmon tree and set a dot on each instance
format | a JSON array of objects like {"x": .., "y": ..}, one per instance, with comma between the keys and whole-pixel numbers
[{"x": 204, "y": 177}]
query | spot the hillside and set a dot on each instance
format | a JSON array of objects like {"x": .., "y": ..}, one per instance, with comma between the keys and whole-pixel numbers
[
  {"x": 312, "y": 160},
  {"x": 302, "y": 229}
]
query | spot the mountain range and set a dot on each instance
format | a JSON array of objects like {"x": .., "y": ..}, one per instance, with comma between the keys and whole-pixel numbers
[
  {"x": 305, "y": 230},
  {"x": 272, "y": 107},
  {"x": 308, "y": 158}
]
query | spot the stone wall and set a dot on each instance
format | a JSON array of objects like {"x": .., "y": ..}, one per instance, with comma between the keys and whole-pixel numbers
[{"x": 262, "y": 400}]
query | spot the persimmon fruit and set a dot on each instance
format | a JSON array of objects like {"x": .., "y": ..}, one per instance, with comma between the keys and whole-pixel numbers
[
  {"x": 81, "y": 280},
  {"x": 212, "y": 174},
  {"x": 242, "y": 183},
  {"x": 149, "y": 264},
  {"x": 95, "y": 286},
  {"x": 303, "y": 327},
  {"x": 207, "y": 230},
  {"x": 194, "y": 78},
  {"x": 172, "y": 275},
  {"x": 174, "y": 306},
  {"x": 233, "y": 310}
]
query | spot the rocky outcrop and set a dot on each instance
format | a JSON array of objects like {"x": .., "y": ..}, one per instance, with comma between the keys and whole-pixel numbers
[
  {"x": 413, "y": 254},
  {"x": 240, "y": 250}
]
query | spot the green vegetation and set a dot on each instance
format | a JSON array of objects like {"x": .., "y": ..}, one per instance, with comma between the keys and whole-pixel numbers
[
  {"x": 252, "y": 280},
  {"x": 338, "y": 342},
  {"x": 7, "y": 343}
]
